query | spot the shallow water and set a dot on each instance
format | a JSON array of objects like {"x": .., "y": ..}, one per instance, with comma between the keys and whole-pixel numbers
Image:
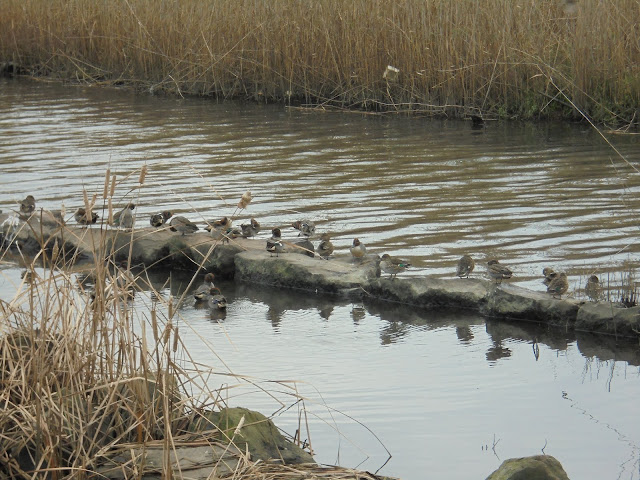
[{"x": 449, "y": 395}]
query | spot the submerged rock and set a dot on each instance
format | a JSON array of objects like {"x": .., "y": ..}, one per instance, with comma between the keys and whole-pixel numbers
[{"x": 538, "y": 467}]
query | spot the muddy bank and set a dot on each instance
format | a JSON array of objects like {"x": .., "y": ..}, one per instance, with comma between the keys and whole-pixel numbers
[{"x": 247, "y": 260}]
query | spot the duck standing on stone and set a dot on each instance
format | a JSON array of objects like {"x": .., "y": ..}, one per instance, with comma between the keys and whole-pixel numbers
[
  {"x": 216, "y": 300},
  {"x": 593, "y": 289},
  {"x": 358, "y": 250},
  {"x": 549, "y": 274},
  {"x": 305, "y": 247},
  {"x": 124, "y": 218},
  {"x": 182, "y": 225},
  {"x": 274, "y": 244},
  {"x": 250, "y": 229},
  {"x": 159, "y": 219},
  {"x": 217, "y": 228},
  {"x": 202, "y": 292},
  {"x": 306, "y": 227},
  {"x": 497, "y": 271},
  {"x": 558, "y": 285},
  {"x": 465, "y": 266},
  {"x": 81, "y": 217},
  {"x": 27, "y": 207},
  {"x": 393, "y": 265},
  {"x": 325, "y": 247}
]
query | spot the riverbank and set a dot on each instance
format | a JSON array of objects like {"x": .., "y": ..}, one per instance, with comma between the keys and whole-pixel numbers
[{"x": 530, "y": 60}]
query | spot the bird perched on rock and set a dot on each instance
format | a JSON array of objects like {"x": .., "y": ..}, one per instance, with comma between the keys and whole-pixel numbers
[
  {"x": 549, "y": 274},
  {"x": 306, "y": 227},
  {"x": 393, "y": 265},
  {"x": 250, "y": 229},
  {"x": 159, "y": 219},
  {"x": 465, "y": 266},
  {"x": 497, "y": 271},
  {"x": 274, "y": 244},
  {"x": 216, "y": 300},
  {"x": 358, "y": 250},
  {"x": 27, "y": 207},
  {"x": 558, "y": 285},
  {"x": 85, "y": 218},
  {"x": 217, "y": 228},
  {"x": 325, "y": 247},
  {"x": 182, "y": 225},
  {"x": 593, "y": 289},
  {"x": 305, "y": 247},
  {"x": 201, "y": 293},
  {"x": 124, "y": 218}
]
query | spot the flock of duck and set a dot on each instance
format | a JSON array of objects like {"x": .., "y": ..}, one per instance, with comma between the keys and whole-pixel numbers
[{"x": 556, "y": 282}]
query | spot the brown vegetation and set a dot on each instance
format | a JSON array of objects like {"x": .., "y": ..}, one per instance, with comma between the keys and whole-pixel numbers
[{"x": 524, "y": 58}]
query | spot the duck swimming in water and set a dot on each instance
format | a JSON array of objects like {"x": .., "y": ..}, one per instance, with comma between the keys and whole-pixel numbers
[
  {"x": 216, "y": 300},
  {"x": 201, "y": 293}
]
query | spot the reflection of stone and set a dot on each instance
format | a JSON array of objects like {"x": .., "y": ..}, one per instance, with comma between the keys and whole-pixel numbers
[
  {"x": 393, "y": 332},
  {"x": 358, "y": 313}
]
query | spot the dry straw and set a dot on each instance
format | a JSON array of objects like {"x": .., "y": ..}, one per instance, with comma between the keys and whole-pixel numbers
[{"x": 496, "y": 57}]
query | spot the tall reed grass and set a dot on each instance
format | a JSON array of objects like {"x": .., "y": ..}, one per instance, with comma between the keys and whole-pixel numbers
[
  {"x": 523, "y": 58},
  {"x": 86, "y": 376}
]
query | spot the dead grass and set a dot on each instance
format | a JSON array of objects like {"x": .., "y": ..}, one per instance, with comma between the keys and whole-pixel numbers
[
  {"x": 495, "y": 58},
  {"x": 85, "y": 376}
]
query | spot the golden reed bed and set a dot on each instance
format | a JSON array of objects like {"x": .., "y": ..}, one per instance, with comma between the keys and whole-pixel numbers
[{"x": 496, "y": 58}]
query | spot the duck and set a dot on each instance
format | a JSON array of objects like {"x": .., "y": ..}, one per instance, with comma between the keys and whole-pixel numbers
[
  {"x": 274, "y": 244},
  {"x": 358, "y": 250},
  {"x": 325, "y": 247},
  {"x": 306, "y": 228},
  {"x": 549, "y": 274},
  {"x": 466, "y": 265},
  {"x": 81, "y": 217},
  {"x": 182, "y": 225},
  {"x": 497, "y": 271},
  {"x": 216, "y": 300},
  {"x": 124, "y": 218},
  {"x": 219, "y": 224},
  {"x": 250, "y": 229},
  {"x": 558, "y": 285},
  {"x": 27, "y": 207},
  {"x": 203, "y": 290},
  {"x": 393, "y": 265},
  {"x": 159, "y": 219},
  {"x": 593, "y": 289},
  {"x": 305, "y": 247}
]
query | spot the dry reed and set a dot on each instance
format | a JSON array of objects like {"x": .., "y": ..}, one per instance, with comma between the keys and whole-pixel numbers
[
  {"x": 80, "y": 382},
  {"x": 454, "y": 57}
]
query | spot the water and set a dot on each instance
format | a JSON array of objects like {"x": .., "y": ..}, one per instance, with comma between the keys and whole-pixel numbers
[{"x": 449, "y": 395}]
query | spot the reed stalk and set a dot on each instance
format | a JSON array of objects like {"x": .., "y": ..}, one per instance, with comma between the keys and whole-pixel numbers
[{"x": 495, "y": 58}]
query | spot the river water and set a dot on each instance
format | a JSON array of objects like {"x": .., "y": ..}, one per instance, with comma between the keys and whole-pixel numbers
[{"x": 448, "y": 395}]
